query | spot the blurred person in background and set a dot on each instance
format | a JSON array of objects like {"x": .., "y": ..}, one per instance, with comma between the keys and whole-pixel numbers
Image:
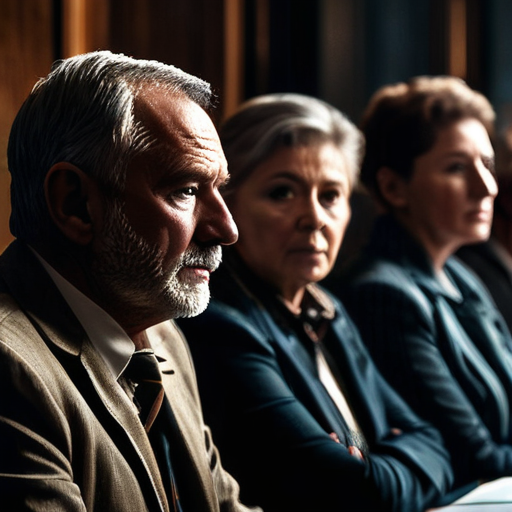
[
  {"x": 492, "y": 260},
  {"x": 428, "y": 322},
  {"x": 302, "y": 416}
]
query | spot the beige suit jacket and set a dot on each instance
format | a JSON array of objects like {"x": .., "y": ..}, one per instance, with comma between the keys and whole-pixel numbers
[{"x": 69, "y": 437}]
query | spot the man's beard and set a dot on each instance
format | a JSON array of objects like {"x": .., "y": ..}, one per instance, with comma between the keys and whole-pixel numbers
[{"x": 130, "y": 271}]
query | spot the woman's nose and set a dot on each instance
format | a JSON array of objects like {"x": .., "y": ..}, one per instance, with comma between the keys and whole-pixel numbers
[
  {"x": 484, "y": 182},
  {"x": 311, "y": 215}
]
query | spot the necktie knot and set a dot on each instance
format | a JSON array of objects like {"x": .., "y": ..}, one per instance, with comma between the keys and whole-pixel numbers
[{"x": 144, "y": 372}]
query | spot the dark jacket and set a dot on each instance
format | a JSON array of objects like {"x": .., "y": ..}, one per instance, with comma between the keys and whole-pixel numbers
[
  {"x": 447, "y": 352},
  {"x": 491, "y": 262},
  {"x": 272, "y": 417}
]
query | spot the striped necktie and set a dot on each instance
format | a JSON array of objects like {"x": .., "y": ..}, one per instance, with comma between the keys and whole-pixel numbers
[{"x": 143, "y": 371}]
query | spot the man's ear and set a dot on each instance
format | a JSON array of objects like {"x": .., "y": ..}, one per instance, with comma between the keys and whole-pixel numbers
[
  {"x": 392, "y": 187},
  {"x": 69, "y": 193}
]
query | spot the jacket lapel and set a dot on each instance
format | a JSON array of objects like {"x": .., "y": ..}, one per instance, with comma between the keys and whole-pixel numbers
[
  {"x": 186, "y": 430},
  {"x": 289, "y": 347},
  {"x": 120, "y": 408},
  {"x": 51, "y": 316}
]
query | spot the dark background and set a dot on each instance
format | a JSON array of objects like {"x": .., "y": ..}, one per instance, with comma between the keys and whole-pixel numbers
[{"x": 338, "y": 50}]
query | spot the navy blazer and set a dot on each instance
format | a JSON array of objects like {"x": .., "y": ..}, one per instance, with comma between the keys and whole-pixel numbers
[
  {"x": 447, "y": 352},
  {"x": 271, "y": 416},
  {"x": 490, "y": 262}
]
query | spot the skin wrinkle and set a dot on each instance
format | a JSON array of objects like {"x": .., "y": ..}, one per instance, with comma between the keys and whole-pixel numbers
[
  {"x": 292, "y": 211},
  {"x": 169, "y": 221}
]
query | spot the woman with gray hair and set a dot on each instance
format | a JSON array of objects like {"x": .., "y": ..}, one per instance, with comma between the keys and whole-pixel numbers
[{"x": 303, "y": 418}]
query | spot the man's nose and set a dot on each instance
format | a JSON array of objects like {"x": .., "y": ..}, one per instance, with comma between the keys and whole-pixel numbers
[{"x": 216, "y": 225}]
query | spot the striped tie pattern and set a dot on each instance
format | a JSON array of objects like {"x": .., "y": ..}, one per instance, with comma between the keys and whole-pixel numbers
[{"x": 143, "y": 371}]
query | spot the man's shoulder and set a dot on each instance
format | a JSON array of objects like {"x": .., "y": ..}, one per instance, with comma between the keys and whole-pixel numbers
[
  {"x": 8, "y": 306},
  {"x": 16, "y": 329}
]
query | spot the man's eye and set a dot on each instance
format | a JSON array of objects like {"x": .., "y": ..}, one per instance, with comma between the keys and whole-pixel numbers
[
  {"x": 281, "y": 192},
  {"x": 182, "y": 194},
  {"x": 186, "y": 192},
  {"x": 190, "y": 191}
]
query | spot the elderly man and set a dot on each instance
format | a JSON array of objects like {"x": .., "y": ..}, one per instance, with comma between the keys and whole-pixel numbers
[{"x": 116, "y": 169}]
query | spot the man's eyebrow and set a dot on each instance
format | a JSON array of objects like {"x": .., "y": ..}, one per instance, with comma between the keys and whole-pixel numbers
[{"x": 185, "y": 170}]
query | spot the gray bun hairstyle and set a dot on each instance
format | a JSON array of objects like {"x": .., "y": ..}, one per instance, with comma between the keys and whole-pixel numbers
[{"x": 266, "y": 123}]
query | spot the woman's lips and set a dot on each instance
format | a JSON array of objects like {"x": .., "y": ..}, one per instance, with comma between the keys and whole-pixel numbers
[
  {"x": 308, "y": 248},
  {"x": 481, "y": 214}
]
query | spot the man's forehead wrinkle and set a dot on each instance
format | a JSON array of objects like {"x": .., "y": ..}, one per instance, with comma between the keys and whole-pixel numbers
[
  {"x": 189, "y": 147},
  {"x": 183, "y": 137},
  {"x": 152, "y": 116},
  {"x": 204, "y": 145},
  {"x": 185, "y": 119}
]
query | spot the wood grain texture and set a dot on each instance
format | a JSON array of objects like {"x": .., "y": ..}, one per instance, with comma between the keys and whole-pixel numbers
[{"x": 26, "y": 53}]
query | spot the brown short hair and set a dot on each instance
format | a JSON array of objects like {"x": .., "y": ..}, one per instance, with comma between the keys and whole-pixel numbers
[{"x": 401, "y": 122}]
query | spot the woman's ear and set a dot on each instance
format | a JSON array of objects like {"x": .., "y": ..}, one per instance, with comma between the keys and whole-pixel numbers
[
  {"x": 69, "y": 193},
  {"x": 392, "y": 187}
]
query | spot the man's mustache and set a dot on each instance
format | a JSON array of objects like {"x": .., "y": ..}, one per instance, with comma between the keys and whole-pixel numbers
[{"x": 206, "y": 257}]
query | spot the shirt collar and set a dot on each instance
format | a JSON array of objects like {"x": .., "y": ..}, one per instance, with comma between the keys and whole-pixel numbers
[
  {"x": 106, "y": 335},
  {"x": 316, "y": 303}
]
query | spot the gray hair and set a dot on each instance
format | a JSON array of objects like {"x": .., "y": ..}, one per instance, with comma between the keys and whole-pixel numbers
[
  {"x": 265, "y": 123},
  {"x": 83, "y": 113}
]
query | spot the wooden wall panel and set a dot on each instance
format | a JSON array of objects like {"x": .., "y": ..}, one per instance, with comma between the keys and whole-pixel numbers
[
  {"x": 85, "y": 25},
  {"x": 187, "y": 34},
  {"x": 26, "y": 53}
]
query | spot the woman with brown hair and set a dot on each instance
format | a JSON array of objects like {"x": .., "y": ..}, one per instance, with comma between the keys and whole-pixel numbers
[{"x": 429, "y": 323}]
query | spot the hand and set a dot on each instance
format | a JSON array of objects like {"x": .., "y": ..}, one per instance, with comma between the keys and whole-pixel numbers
[
  {"x": 355, "y": 452},
  {"x": 334, "y": 437}
]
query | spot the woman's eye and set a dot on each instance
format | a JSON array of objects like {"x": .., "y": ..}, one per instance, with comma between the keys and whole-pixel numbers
[
  {"x": 331, "y": 197},
  {"x": 281, "y": 192},
  {"x": 456, "y": 167}
]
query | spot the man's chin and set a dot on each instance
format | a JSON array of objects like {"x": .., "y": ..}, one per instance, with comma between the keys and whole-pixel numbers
[
  {"x": 191, "y": 312},
  {"x": 192, "y": 300}
]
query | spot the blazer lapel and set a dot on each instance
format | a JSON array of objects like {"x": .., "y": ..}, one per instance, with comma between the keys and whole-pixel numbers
[
  {"x": 186, "y": 434},
  {"x": 120, "y": 408},
  {"x": 51, "y": 316},
  {"x": 327, "y": 414}
]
